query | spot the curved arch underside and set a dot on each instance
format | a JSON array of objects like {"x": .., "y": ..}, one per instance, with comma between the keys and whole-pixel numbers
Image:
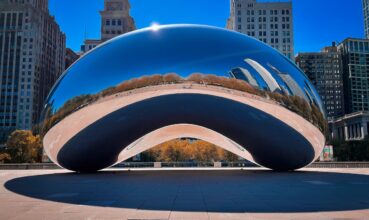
[
  {"x": 97, "y": 135},
  {"x": 172, "y": 132}
]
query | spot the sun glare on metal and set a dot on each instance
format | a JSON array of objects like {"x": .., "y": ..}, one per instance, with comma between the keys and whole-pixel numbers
[{"x": 155, "y": 26}]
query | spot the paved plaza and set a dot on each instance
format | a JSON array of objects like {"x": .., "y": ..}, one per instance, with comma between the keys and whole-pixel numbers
[{"x": 185, "y": 194}]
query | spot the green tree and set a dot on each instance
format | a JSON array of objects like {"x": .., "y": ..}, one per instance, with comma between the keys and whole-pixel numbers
[{"x": 351, "y": 151}]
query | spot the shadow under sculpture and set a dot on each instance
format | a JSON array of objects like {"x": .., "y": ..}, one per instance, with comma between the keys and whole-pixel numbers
[{"x": 152, "y": 85}]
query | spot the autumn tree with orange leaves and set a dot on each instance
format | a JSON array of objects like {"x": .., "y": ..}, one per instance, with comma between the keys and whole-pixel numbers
[{"x": 188, "y": 150}]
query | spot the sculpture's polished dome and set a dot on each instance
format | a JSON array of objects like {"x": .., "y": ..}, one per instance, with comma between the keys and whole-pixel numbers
[{"x": 153, "y": 85}]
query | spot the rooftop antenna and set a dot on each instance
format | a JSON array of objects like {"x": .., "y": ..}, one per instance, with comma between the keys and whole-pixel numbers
[{"x": 85, "y": 32}]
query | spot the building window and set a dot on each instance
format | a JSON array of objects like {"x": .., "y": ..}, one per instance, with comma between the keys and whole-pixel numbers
[{"x": 107, "y": 22}]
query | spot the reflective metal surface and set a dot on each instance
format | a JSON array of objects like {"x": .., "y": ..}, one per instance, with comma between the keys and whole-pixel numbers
[{"x": 128, "y": 92}]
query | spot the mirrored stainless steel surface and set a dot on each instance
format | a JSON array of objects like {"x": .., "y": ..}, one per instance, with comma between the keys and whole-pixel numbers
[{"x": 134, "y": 89}]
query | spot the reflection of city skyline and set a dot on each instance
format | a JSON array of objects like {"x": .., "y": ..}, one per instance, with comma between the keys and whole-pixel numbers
[
  {"x": 290, "y": 84},
  {"x": 272, "y": 84},
  {"x": 260, "y": 77},
  {"x": 244, "y": 74}
]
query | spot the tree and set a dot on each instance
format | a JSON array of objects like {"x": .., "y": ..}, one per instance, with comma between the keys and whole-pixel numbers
[
  {"x": 4, "y": 157},
  {"x": 24, "y": 147},
  {"x": 172, "y": 78},
  {"x": 185, "y": 150},
  {"x": 351, "y": 150},
  {"x": 230, "y": 157},
  {"x": 196, "y": 78}
]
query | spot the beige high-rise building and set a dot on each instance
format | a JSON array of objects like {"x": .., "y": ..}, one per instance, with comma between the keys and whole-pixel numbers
[
  {"x": 270, "y": 22},
  {"x": 115, "y": 20},
  {"x": 32, "y": 57}
]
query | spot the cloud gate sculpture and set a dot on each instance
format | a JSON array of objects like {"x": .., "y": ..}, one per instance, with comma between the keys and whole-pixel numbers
[{"x": 157, "y": 84}]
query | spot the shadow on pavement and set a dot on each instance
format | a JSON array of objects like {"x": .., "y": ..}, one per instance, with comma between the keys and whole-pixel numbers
[{"x": 212, "y": 191}]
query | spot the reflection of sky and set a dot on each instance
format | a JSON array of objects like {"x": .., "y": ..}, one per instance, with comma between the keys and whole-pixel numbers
[{"x": 183, "y": 50}]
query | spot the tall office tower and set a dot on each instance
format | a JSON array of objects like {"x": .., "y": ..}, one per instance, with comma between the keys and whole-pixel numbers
[
  {"x": 366, "y": 17},
  {"x": 355, "y": 58},
  {"x": 270, "y": 22},
  {"x": 325, "y": 71},
  {"x": 32, "y": 53},
  {"x": 115, "y": 20}
]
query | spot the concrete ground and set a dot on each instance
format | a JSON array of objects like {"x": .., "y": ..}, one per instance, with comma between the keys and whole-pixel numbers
[{"x": 185, "y": 194}]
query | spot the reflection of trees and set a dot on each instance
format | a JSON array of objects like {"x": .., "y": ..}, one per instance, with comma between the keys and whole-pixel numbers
[
  {"x": 301, "y": 107},
  {"x": 294, "y": 103},
  {"x": 145, "y": 81},
  {"x": 70, "y": 106},
  {"x": 185, "y": 150},
  {"x": 230, "y": 83}
]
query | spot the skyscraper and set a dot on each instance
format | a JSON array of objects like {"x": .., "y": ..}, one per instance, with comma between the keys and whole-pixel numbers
[
  {"x": 355, "y": 58},
  {"x": 115, "y": 20},
  {"x": 32, "y": 58},
  {"x": 270, "y": 22},
  {"x": 366, "y": 17},
  {"x": 325, "y": 71}
]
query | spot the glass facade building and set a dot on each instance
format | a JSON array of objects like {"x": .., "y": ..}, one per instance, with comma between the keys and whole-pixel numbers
[
  {"x": 355, "y": 58},
  {"x": 366, "y": 17}
]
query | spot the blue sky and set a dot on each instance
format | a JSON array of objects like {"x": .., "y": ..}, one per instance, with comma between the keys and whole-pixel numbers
[{"x": 316, "y": 22}]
